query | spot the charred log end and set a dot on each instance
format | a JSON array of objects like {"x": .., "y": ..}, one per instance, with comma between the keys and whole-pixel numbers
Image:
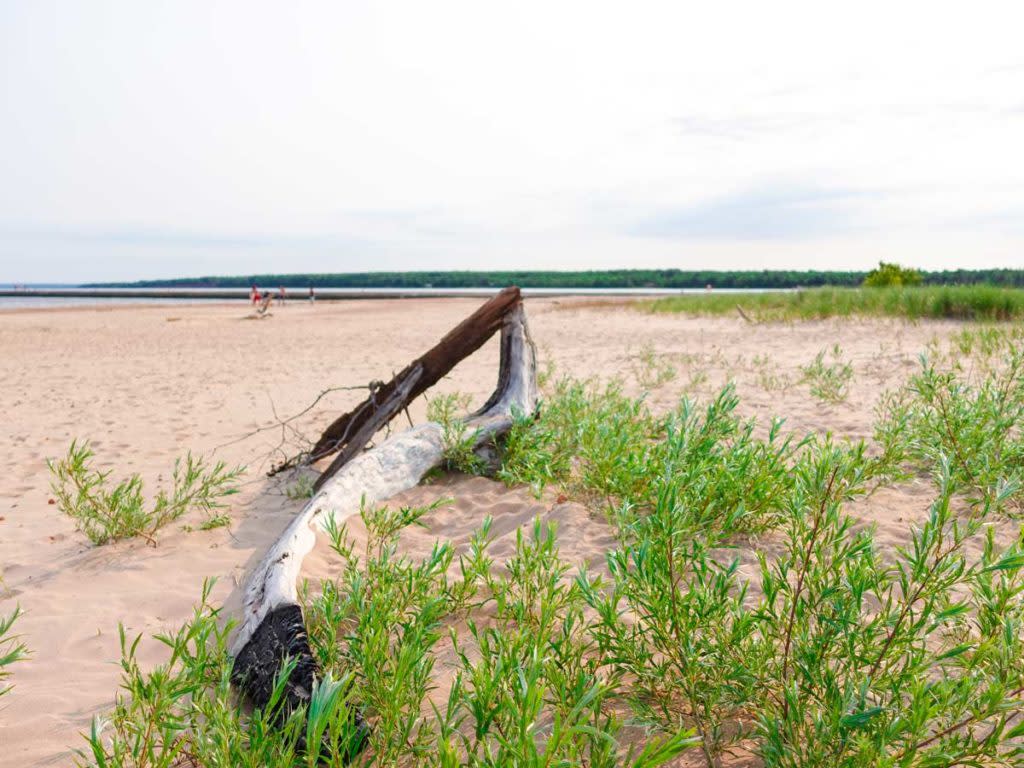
[{"x": 281, "y": 635}]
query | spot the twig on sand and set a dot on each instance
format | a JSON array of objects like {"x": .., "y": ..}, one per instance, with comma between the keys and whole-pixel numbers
[{"x": 290, "y": 436}]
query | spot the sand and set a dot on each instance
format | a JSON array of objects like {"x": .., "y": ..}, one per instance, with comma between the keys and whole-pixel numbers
[{"x": 145, "y": 384}]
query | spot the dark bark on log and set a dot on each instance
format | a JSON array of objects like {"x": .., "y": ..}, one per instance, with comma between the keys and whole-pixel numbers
[
  {"x": 281, "y": 635},
  {"x": 351, "y": 432},
  {"x": 374, "y": 420}
]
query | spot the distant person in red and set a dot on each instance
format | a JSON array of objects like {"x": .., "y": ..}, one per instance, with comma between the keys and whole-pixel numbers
[{"x": 254, "y": 294}]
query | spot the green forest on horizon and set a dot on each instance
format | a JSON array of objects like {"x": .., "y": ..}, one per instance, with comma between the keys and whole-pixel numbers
[{"x": 614, "y": 278}]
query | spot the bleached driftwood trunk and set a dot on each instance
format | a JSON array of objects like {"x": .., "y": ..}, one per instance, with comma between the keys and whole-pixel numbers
[{"x": 272, "y": 625}]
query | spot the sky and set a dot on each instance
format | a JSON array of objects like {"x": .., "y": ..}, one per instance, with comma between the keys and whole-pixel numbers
[{"x": 164, "y": 139}]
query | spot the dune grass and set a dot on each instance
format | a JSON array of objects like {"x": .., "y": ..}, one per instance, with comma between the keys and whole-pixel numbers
[{"x": 957, "y": 302}]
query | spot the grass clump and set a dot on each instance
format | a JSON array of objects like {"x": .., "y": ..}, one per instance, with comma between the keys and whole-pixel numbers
[
  {"x": 459, "y": 442},
  {"x": 972, "y": 420},
  {"x": 985, "y": 346},
  {"x": 106, "y": 514},
  {"x": 828, "y": 381},
  {"x": 959, "y": 302},
  {"x": 12, "y": 650},
  {"x": 650, "y": 371}
]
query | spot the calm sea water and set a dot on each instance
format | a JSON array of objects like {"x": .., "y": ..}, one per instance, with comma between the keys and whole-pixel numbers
[{"x": 199, "y": 295}]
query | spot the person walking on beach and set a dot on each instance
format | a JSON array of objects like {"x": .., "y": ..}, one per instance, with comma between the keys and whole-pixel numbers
[
  {"x": 312, "y": 296},
  {"x": 280, "y": 295},
  {"x": 254, "y": 295}
]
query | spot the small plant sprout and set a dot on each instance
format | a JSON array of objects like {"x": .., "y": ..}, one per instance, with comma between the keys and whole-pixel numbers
[
  {"x": 768, "y": 376},
  {"x": 650, "y": 370},
  {"x": 828, "y": 381},
  {"x": 300, "y": 488},
  {"x": 104, "y": 513},
  {"x": 12, "y": 650}
]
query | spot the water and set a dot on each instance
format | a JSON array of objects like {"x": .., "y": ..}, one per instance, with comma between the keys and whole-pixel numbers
[
  {"x": 35, "y": 296},
  {"x": 50, "y": 302}
]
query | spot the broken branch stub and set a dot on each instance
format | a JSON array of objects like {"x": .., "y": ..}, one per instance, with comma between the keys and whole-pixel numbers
[{"x": 272, "y": 626}]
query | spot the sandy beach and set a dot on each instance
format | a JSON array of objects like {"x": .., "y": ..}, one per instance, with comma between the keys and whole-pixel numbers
[{"x": 145, "y": 384}]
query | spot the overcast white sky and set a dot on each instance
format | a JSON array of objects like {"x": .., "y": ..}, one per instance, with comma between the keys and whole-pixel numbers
[{"x": 161, "y": 139}]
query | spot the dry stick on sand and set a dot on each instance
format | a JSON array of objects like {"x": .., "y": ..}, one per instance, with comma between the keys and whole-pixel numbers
[{"x": 272, "y": 626}]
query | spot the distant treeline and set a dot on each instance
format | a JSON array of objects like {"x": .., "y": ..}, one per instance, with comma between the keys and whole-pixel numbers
[{"x": 612, "y": 278}]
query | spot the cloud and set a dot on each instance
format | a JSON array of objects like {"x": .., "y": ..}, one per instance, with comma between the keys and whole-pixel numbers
[
  {"x": 759, "y": 213},
  {"x": 416, "y": 135}
]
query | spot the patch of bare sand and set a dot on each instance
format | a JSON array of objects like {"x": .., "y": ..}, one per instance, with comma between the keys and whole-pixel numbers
[{"x": 147, "y": 383}]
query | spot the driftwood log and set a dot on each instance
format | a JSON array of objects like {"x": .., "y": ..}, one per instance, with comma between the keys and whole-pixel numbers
[
  {"x": 272, "y": 626},
  {"x": 350, "y": 433}
]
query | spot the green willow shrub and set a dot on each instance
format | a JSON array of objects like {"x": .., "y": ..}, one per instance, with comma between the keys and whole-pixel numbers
[
  {"x": 106, "y": 514},
  {"x": 586, "y": 439},
  {"x": 184, "y": 712},
  {"x": 834, "y": 654},
  {"x": 919, "y": 662},
  {"x": 594, "y": 442},
  {"x": 529, "y": 662},
  {"x": 727, "y": 480},
  {"x": 536, "y": 671},
  {"x": 684, "y": 653},
  {"x": 974, "y": 422},
  {"x": 389, "y": 610},
  {"x": 11, "y": 649}
]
